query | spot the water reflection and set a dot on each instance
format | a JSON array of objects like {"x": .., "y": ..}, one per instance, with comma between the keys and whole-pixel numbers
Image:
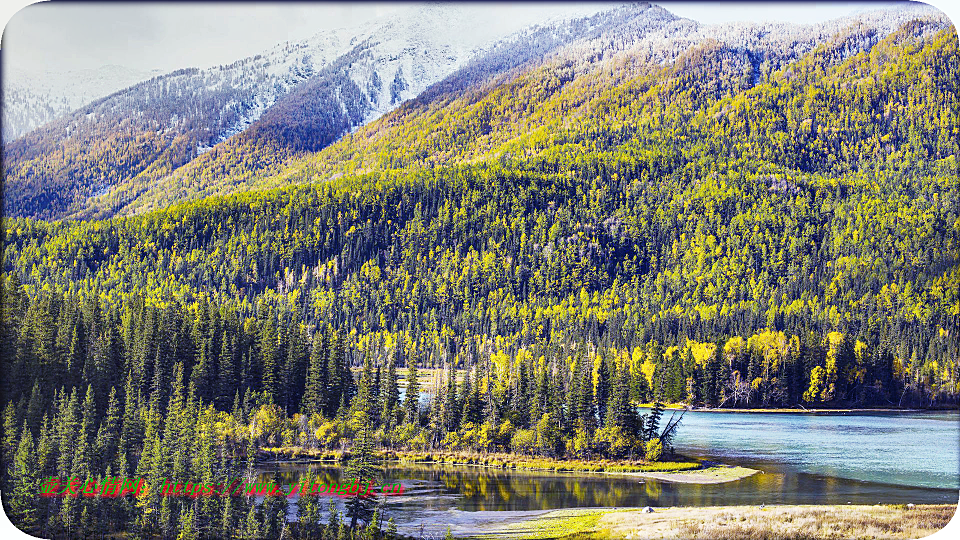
[{"x": 482, "y": 489}]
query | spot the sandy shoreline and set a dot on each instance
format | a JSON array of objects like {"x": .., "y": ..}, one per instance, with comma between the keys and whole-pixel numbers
[{"x": 715, "y": 474}]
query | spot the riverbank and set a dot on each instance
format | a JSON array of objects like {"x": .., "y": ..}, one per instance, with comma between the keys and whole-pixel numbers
[
  {"x": 731, "y": 522},
  {"x": 687, "y": 471},
  {"x": 514, "y": 461}
]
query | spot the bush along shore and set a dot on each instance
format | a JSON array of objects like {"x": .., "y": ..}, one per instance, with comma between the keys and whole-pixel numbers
[{"x": 679, "y": 469}]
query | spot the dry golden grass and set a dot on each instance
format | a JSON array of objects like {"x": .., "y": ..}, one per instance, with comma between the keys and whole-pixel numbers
[
  {"x": 838, "y": 522},
  {"x": 778, "y": 522}
]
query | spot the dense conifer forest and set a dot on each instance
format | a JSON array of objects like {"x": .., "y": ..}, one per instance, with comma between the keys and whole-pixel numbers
[{"x": 553, "y": 251}]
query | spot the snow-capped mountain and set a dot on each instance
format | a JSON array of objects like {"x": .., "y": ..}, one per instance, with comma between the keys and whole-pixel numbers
[
  {"x": 197, "y": 132},
  {"x": 296, "y": 96},
  {"x": 32, "y": 99}
]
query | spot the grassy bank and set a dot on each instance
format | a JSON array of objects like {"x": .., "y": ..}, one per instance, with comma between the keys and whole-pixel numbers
[
  {"x": 686, "y": 471},
  {"x": 734, "y": 523},
  {"x": 513, "y": 461}
]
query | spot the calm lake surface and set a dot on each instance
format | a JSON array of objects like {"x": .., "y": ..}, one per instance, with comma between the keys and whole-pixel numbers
[
  {"x": 857, "y": 458},
  {"x": 905, "y": 448}
]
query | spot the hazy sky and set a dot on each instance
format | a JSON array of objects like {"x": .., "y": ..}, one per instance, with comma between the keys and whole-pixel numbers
[{"x": 167, "y": 36}]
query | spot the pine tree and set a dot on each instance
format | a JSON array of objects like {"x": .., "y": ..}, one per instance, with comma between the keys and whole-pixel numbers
[
  {"x": 373, "y": 527},
  {"x": 340, "y": 387},
  {"x": 603, "y": 387},
  {"x": 317, "y": 375},
  {"x": 269, "y": 355},
  {"x": 295, "y": 366},
  {"x": 23, "y": 497},
  {"x": 68, "y": 422},
  {"x": 131, "y": 429},
  {"x": 391, "y": 395},
  {"x": 694, "y": 378},
  {"x": 522, "y": 398},
  {"x": 846, "y": 364},
  {"x": 274, "y": 513},
  {"x": 676, "y": 382},
  {"x": 639, "y": 386},
  {"x": 108, "y": 436},
  {"x": 334, "y": 525},
  {"x": 366, "y": 396},
  {"x": 202, "y": 375},
  {"x": 411, "y": 399},
  {"x": 361, "y": 467},
  {"x": 711, "y": 377},
  {"x": 309, "y": 511},
  {"x": 187, "y": 527},
  {"x": 573, "y": 396},
  {"x": 651, "y": 428},
  {"x": 252, "y": 525},
  {"x": 450, "y": 411},
  {"x": 226, "y": 372},
  {"x": 586, "y": 414},
  {"x": 9, "y": 431},
  {"x": 620, "y": 411},
  {"x": 472, "y": 402}
]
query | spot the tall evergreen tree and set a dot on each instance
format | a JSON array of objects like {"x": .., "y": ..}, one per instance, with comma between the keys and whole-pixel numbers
[
  {"x": 108, "y": 435},
  {"x": 391, "y": 394},
  {"x": 317, "y": 375},
  {"x": 22, "y": 500},
  {"x": 450, "y": 412},
  {"x": 411, "y": 399},
  {"x": 711, "y": 378},
  {"x": 603, "y": 387},
  {"x": 269, "y": 354},
  {"x": 362, "y": 468},
  {"x": 226, "y": 371}
]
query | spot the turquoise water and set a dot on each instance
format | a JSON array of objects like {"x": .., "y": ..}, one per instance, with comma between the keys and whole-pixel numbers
[{"x": 919, "y": 449}]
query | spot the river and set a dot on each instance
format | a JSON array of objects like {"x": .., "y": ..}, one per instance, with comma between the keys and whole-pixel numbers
[{"x": 855, "y": 458}]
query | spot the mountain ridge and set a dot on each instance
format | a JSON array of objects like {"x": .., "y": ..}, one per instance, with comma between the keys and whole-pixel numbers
[{"x": 265, "y": 142}]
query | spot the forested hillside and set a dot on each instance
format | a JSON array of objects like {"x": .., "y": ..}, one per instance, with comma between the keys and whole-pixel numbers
[{"x": 577, "y": 240}]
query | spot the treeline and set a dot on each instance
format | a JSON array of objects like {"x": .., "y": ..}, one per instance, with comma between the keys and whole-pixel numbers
[
  {"x": 160, "y": 393},
  {"x": 95, "y": 391}
]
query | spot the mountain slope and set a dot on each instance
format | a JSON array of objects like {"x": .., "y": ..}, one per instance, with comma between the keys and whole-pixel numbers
[
  {"x": 258, "y": 123},
  {"x": 31, "y": 100},
  {"x": 263, "y": 150},
  {"x": 575, "y": 237},
  {"x": 320, "y": 89},
  {"x": 474, "y": 109},
  {"x": 713, "y": 61}
]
